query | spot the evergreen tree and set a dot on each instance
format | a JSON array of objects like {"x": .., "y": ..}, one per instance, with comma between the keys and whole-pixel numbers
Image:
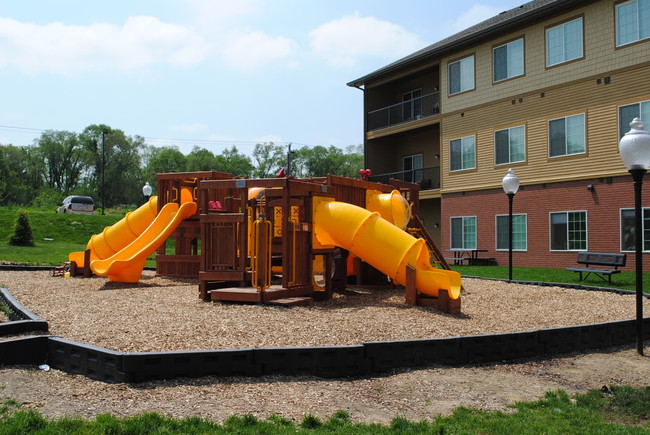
[{"x": 22, "y": 232}]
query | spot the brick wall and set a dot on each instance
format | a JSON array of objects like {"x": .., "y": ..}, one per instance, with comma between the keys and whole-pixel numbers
[{"x": 603, "y": 206}]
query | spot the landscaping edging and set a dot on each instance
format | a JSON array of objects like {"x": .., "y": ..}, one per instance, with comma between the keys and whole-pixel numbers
[{"x": 370, "y": 358}]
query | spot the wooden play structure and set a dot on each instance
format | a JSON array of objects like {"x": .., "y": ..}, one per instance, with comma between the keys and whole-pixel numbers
[
  {"x": 281, "y": 241},
  {"x": 259, "y": 245}
]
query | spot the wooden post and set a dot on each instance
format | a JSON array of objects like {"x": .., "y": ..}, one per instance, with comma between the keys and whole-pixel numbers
[
  {"x": 411, "y": 292},
  {"x": 87, "y": 271}
]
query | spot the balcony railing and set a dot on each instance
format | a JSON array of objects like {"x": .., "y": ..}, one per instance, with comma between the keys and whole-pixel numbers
[
  {"x": 428, "y": 178},
  {"x": 406, "y": 111}
]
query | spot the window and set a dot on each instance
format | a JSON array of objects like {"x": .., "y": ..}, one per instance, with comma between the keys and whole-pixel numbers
[
  {"x": 508, "y": 60},
  {"x": 411, "y": 164},
  {"x": 569, "y": 231},
  {"x": 462, "y": 153},
  {"x": 519, "y": 232},
  {"x": 628, "y": 229},
  {"x": 632, "y": 21},
  {"x": 461, "y": 75},
  {"x": 510, "y": 145},
  {"x": 627, "y": 113},
  {"x": 463, "y": 232},
  {"x": 564, "y": 42},
  {"x": 567, "y": 136},
  {"x": 412, "y": 105}
]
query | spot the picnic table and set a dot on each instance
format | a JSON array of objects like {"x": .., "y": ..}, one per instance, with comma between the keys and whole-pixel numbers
[{"x": 469, "y": 255}]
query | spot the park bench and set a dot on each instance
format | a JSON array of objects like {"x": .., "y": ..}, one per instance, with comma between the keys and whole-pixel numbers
[{"x": 599, "y": 259}]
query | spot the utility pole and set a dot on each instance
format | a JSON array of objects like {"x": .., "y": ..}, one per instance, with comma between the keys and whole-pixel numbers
[
  {"x": 289, "y": 161},
  {"x": 103, "y": 164}
]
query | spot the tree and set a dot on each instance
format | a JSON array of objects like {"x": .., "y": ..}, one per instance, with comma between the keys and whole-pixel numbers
[
  {"x": 62, "y": 157},
  {"x": 200, "y": 159},
  {"x": 268, "y": 158},
  {"x": 117, "y": 159},
  {"x": 232, "y": 161},
  {"x": 163, "y": 160},
  {"x": 22, "y": 232}
]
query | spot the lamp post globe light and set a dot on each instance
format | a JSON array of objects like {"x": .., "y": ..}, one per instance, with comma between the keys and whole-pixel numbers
[
  {"x": 510, "y": 185},
  {"x": 146, "y": 191},
  {"x": 634, "y": 148}
]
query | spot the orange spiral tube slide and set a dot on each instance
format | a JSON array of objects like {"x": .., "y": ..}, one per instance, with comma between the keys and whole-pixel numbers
[{"x": 381, "y": 244}]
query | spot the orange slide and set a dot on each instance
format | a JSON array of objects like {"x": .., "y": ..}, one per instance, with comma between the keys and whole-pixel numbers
[
  {"x": 381, "y": 244},
  {"x": 127, "y": 264},
  {"x": 116, "y": 237}
]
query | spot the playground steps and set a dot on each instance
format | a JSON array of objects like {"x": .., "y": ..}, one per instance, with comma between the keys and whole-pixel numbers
[
  {"x": 293, "y": 302},
  {"x": 293, "y": 296}
]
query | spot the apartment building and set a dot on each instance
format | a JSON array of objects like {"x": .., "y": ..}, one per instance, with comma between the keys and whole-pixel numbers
[{"x": 547, "y": 89}]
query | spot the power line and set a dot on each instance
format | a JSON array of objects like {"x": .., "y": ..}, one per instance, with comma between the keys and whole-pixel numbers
[{"x": 163, "y": 139}]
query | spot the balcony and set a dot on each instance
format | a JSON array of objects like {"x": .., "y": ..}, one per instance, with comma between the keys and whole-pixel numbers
[
  {"x": 406, "y": 111},
  {"x": 428, "y": 178}
]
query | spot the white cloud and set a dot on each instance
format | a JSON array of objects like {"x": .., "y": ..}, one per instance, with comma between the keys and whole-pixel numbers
[
  {"x": 345, "y": 40},
  {"x": 474, "y": 15},
  {"x": 142, "y": 41},
  {"x": 250, "y": 51}
]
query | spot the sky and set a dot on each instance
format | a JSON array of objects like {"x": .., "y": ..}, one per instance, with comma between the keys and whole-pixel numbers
[{"x": 209, "y": 73}]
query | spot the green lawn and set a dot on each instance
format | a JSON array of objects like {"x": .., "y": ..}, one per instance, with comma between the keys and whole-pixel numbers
[
  {"x": 623, "y": 280},
  {"x": 55, "y": 235},
  {"x": 621, "y": 410}
]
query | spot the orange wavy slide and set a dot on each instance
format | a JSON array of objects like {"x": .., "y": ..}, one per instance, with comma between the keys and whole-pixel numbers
[
  {"x": 127, "y": 264},
  {"x": 381, "y": 244}
]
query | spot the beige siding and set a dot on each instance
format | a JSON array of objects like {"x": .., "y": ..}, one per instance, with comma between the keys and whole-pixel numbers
[
  {"x": 599, "y": 103},
  {"x": 600, "y": 55}
]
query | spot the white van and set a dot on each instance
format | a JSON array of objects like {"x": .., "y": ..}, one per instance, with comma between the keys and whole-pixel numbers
[{"x": 77, "y": 205}]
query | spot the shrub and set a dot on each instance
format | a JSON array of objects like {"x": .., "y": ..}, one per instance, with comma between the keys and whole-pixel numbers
[{"x": 23, "y": 231}]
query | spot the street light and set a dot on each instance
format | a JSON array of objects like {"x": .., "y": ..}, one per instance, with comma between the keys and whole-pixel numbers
[
  {"x": 510, "y": 185},
  {"x": 146, "y": 191},
  {"x": 634, "y": 148}
]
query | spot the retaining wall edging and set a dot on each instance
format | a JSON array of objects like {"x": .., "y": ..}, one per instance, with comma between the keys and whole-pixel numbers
[{"x": 370, "y": 358}]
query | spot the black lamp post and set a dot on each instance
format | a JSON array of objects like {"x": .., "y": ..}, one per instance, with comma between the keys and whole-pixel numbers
[
  {"x": 103, "y": 168},
  {"x": 510, "y": 185},
  {"x": 146, "y": 191},
  {"x": 634, "y": 148}
]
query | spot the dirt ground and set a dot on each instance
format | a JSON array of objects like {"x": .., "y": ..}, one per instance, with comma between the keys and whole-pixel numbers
[
  {"x": 143, "y": 323},
  {"x": 414, "y": 394}
]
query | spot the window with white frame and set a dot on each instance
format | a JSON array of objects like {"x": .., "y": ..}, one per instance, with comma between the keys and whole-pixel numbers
[
  {"x": 564, "y": 42},
  {"x": 412, "y": 166},
  {"x": 628, "y": 229},
  {"x": 630, "y": 111},
  {"x": 510, "y": 145},
  {"x": 569, "y": 231},
  {"x": 566, "y": 136},
  {"x": 519, "y": 232},
  {"x": 462, "y": 153},
  {"x": 632, "y": 21},
  {"x": 508, "y": 60},
  {"x": 461, "y": 75},
  {"x": 463, "y": 232}
]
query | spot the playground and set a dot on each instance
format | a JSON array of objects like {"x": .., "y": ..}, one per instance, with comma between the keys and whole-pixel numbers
[
  {"x": 296, "y": 263},
  {"x": 162, "y": 313}
]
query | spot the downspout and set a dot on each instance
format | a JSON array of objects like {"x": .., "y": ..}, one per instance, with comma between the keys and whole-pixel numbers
[{"x": 365, "y": 124}]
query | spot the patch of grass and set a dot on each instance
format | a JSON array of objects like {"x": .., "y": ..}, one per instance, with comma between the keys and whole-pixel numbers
[
  {"x": 624, "y": 280},
  {"x": 556, "y": 413},
  {"x": 55, "y": 235}
]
